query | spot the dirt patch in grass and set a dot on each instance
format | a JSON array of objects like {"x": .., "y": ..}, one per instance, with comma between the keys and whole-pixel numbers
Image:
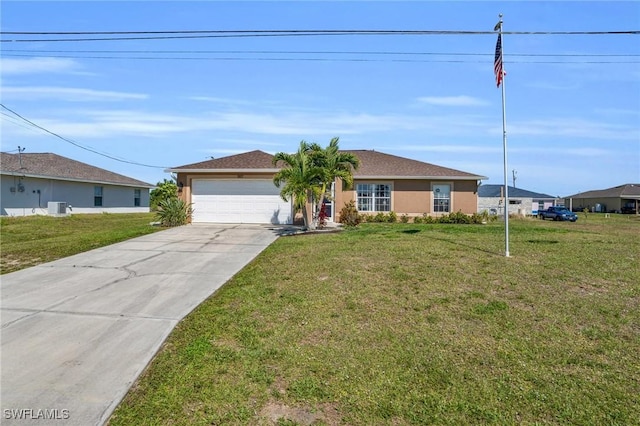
[{"x": 275, "y": 412}]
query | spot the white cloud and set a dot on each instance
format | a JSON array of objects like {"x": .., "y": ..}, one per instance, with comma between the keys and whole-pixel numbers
[
  {"x": 563, "y": 128},
  {"x": 67, "y": 94},
  {"x": 452, "y": 101},
  {"x": 40, "y": 65}
]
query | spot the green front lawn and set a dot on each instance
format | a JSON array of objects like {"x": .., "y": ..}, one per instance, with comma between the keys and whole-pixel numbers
[
  {"x": 32, "y": 240},
  {"x": 405, "y": 324}
]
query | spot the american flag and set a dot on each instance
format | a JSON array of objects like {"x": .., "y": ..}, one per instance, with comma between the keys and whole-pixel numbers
[{"x": 497, "y": 62}]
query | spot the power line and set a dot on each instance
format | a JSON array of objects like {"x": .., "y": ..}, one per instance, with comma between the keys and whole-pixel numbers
[
  {"x": 221, "y": 58},
  {"x": 77, "y": 144},
  {"x": 191, "y": 34},
  {"x": 325, "y": 52},
  {"x": 289, "y": 32}
]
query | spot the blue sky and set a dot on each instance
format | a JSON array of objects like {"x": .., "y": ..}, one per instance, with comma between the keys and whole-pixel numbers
[{"x": 573, "y": 101}]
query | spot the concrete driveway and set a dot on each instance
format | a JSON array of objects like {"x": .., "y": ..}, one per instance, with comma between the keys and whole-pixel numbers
[{"x": 77, "y": 332}]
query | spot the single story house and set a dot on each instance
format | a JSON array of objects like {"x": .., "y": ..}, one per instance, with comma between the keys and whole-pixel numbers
[
  {"x": 521, "y": 201},
  {"x": 619, "y": 199},
  {"x": 45, "y": 183},
  {"x": 239, "y": 188}
]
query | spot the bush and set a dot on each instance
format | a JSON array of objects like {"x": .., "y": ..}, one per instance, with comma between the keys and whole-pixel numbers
[
  {"x": 458, "y": 217},
  {"x": 404, "y": 218},
  {"x": 392, "y": 217},
  {"x": 380, "y": 217},
  {"x": 349, "y": 215},
  {"x": 173, "y": 212},
  {"x": 164, "y": 191}
]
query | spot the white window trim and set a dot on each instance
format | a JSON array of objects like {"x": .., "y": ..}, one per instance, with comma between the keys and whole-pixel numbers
[
  {"x": 451, "y": 196},
  {"x": 374, "y": 182}
]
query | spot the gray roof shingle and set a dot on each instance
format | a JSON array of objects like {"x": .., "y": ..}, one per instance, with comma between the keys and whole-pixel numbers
[
  {"x": 54, "y": 166},
  {"x": 494, "y": 191}
]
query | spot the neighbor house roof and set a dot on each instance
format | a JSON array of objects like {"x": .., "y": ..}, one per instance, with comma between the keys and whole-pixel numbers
[
  {"x": 496, "y": 191},
  {"x": 373, "y": 164},
  {"x": 53, "y": 166},
  {"x": 629, "y": 190}
]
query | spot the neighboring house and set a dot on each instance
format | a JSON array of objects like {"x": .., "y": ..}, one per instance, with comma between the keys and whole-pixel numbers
[
  {"x": 240, "y": 189},
  {"x": 31, "y": 181},
  {"x": 619, "y": 199},
  {"x": 521, "y": 201}
]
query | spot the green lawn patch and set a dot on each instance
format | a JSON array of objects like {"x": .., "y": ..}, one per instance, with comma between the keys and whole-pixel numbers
[
  {"x": 378, "y": 325},
  {"x": 32, "y": 240}
]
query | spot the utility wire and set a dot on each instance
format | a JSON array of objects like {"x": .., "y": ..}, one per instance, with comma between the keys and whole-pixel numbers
[
  {"x": 324, "y": 52},
  {"x": 290, "y": 32},
  {"x": 77, "y": 144},
  {"x": 160, "y": 35},
  {"x": 222, "y": 58}
]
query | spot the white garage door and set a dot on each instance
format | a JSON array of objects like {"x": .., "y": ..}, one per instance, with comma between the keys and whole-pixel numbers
[{"x": 238, "y": 201}]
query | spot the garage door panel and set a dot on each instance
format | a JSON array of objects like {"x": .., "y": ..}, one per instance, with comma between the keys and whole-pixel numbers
[{"x": 239, "y": 201}]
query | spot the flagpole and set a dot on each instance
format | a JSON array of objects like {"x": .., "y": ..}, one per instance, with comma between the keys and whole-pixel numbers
[{"x": 504, "y": 146}]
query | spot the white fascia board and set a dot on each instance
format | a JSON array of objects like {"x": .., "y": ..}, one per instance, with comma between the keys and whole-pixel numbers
[
  {"x": 222, "y": 170},
  {"x": 421, "y": 177},
  {"x": 30, "y": 175}
]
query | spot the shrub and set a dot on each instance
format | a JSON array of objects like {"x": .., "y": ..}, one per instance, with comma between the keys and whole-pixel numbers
[
  {"x": 392, "y": 217},
  {"x": 163, "y": 191},
  {"x": 349, "y": 215},
  {"x": 404, "y": 218},
  {"x": 428, "y": 219},
  {"x": 480, "y": 217},
  {"x": 380, "y": 217},
  {"x": 459, "y": 217},
  {"x": 173, "y": 212}
]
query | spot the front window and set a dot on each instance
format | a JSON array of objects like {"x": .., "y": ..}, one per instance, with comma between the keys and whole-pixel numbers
[
  {"x": 136, "y": 198},
  {"x": 373, "y": 197},
  {"x": 97, "y": 196},
  {"x": 441, "y": 198}
]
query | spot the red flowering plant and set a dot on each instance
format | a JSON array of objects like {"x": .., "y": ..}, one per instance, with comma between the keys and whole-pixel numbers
[{"x": 322, "y": 216}]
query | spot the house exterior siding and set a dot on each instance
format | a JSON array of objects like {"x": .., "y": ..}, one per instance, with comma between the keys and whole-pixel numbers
[
  {"x": 25, "y": 196},
  {"x": 414, "y": 197}
]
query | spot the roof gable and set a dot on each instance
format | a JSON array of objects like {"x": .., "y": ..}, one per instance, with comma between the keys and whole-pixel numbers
[{"x": 55, "y": 166}]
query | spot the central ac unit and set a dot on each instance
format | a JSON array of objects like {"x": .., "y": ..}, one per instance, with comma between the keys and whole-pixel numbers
[{"x": 57, "y": 208}]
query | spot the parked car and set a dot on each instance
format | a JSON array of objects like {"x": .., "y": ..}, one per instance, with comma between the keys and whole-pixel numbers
[{"x": 557, "y": 213}]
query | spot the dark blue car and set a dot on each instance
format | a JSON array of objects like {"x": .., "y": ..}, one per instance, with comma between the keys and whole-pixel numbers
[{"x": 558, "y": 213}]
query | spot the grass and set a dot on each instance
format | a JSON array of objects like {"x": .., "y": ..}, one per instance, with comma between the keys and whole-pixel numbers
[
  {"x": 32, "y": 240},
  {"x": 405, "y": 324}
]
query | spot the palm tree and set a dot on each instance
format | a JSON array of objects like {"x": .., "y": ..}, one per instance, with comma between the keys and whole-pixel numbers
[
  {"x": 301, "y": 179},
  {"x": 334, "y": 164}
]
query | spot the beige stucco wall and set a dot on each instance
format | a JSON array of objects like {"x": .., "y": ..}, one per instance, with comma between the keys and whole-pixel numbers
[
  {"x": 415, "y": 197},
  {"x": 465, "y": 197}
]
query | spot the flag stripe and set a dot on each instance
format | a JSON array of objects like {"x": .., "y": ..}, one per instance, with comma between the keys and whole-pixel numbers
[{"x": 497, "y": 62}]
